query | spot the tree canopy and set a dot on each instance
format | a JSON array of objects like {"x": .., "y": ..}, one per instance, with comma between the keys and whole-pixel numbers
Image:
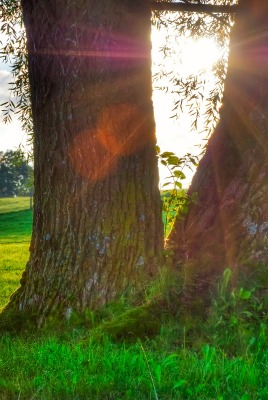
[{"x": 15, "y": 174}]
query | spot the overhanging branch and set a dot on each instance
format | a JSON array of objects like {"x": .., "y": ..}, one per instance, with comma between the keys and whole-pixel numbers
[{"x": 194, "y": 7}]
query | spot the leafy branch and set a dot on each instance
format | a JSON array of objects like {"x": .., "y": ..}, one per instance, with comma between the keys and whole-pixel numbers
[{"x": 175, "y": 201}]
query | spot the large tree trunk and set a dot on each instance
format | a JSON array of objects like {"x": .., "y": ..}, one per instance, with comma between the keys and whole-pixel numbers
[
  {"x": 97, "y": 226},
  {"x": 229, "y": 224}
]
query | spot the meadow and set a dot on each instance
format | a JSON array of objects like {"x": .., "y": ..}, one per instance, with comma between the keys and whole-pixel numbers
[
  {"x": 225, "y": 358},
  {"x": 15, "y": 232}
]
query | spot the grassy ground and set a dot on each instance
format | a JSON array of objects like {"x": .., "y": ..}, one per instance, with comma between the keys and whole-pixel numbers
[
  {"x": 15, "y": 231},
  {"x": 12, "y": 204},
  {"x": 225, "y": 359}
]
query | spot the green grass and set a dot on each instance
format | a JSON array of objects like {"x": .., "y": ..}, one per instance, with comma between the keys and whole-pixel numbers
[
  {"x": 224, "y": 359},
  {"x": 13, "y": 258},
  {"x": 50, "y": 369},
  {"x": 16, "y": 227},
  {"x": 15, "y": 220},
  {"x": 15, "y": 232},
  {"x": 12, "y": 204}
]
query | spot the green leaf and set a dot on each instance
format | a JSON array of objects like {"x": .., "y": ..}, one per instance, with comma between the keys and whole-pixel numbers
[
  {"x": 179, "y": 184},
  {"x": 169, "y": 360},
  {"x": 167, "y": 154},
  {"x": 179, "y": 174},
  {"x": 226, "y": 277},
  {"x": 179, "y": 384},
  {"x": 246, "y": 397},
  {"x": 244, "y": 294},
  {"x": 193, "y": 161},
  {"x": 173, "y": 160},
  {"x": 248, "y": 314},
  {"x": 158, "y": 373}
]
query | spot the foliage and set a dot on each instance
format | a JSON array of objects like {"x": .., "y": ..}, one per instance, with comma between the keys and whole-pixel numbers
[
  {"x": 176, "y": 200},
  {"x": 239, "y": 319},
  {"x": 189, "y": 90},
  {"x": 13, "y": 51},
  {"x": 16, "y": 175}
]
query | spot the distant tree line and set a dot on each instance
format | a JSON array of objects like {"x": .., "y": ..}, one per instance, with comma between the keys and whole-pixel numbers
[{"x": 16, "y": 175}]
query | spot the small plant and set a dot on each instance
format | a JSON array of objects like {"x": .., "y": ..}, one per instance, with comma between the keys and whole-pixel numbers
[
  {"x": 176, "y": 200},
  {"x": 239, "y": 317}
]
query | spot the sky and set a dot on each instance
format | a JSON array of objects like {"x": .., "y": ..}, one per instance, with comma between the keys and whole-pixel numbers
[{"x": 188, "y": 57}]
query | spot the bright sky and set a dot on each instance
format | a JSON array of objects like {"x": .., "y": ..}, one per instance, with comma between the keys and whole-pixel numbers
[
  {"x": 188, "y": 57},
  {"x": 175, "y": 135}
]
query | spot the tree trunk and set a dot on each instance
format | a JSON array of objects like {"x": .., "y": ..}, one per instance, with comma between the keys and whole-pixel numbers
[
  {"x": 97, "y": 227},
  {"x": 229, "y": 224}
]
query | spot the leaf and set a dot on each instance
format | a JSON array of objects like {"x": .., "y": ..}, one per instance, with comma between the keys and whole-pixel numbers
[
  {"x": 226, "y": 277},
  {"x": 246, "y": 397},
  {"x": 194, "y": 161},
  {"x": 173, "y": 160},
  {"x": 158, "y": 373},
  {"x": 169, "y": 360},
  {"x": 167, "y": 154},
  {"x": 252, "y": 341},
  {"x": 179, "y": 384},
  {"x": 200, "y": 387},
  {"x": 179, "y": 184},
  {"x": 179, "y": 174},
  {"x": 244, "y": 294},
  {"x": 233, "y": 320},
  {"x": 248, "y": 314}
]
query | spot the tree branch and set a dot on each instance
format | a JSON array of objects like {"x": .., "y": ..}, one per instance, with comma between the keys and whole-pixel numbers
[{"x": 191, "y": 7}]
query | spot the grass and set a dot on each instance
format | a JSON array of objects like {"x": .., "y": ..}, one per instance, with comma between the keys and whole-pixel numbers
[
  {"x": 12, "y": 204},
  {"x": 15, "y": 232},
  {"x": 51, "y": 368},
  {"x": 224, "y": 359},
  {"x": 13, "y": 258}
]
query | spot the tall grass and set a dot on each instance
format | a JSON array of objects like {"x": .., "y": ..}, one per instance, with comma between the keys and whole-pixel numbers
[{"x": 52, "y": 368}]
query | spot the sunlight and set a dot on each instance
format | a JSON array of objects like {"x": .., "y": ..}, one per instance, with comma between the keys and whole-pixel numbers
[
  {"x": 188, "y": 56},
  {"x": 199, "y": 55},
  {"x": 184, "y": 57}
]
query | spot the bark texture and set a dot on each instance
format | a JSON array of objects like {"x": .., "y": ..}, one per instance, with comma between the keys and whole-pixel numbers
[
  {"x": 97, "y": 226},
  {"x": 229, "y": 224}
]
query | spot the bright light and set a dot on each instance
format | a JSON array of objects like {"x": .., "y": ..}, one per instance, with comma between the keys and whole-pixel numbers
[
  {"x": 199, "y": 55},
  {"x": 187, "y": 55},
  {"x": 183, "y": 57}
]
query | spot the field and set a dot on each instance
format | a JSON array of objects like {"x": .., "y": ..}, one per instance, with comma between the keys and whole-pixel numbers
[
  {"x": 15, "y": 231},
  {"x": 225, "y": 359}
]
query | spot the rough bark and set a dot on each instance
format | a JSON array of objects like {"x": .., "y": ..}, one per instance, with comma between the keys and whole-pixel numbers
[
  {"x": 97, "y": 226},
  {"x": 228, "y": 227}
]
